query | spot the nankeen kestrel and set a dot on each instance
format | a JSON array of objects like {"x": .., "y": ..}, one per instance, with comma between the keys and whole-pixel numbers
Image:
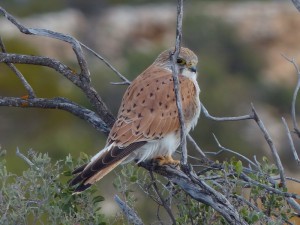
[{"x": 147, "y": 126}]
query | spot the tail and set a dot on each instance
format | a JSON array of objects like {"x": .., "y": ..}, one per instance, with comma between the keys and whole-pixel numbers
[{"x": 101, "y": 164}]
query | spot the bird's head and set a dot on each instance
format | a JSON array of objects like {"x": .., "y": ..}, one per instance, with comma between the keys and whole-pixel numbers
[{"x": 186, "y": 61}]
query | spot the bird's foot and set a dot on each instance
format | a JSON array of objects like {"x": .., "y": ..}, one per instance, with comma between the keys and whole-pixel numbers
[{"x": 166, "y": 160}]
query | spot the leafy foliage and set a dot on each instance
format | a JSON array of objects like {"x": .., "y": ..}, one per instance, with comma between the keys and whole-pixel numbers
[
  {"x": 255, "y": 203},
  {"x": 41, "y": 195}
]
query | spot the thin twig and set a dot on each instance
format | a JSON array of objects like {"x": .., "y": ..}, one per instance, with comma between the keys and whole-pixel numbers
[
  {"x": 289, "y": 178},
  {"x": 58, "y": 103},
  {"x": 245, "y": 201},
  {"x": 271, "y": 145},
  {"x": 231, "y": 151},
  {"x": 130, "y": 214},
  {"x": 295, "y": 205},
  {"x": 293, "y": 109},
  {"x": 120, "y": 83},
  {"x": 126, "y": 81},
  {"x": 175, "y": 72},
  {"x": 270, "y": 189},
  {"x": 191, "y": 139},
  {"x": 27, "y": 86},
  {"x": 257, "y": 163},
  {"x": 296, "y": 4},
  {"x": 291, "y": 142},
  {"x": 162, "y": 201},
  {"x": 221, "y": 119},
  {"x": 18, "y": 153}
]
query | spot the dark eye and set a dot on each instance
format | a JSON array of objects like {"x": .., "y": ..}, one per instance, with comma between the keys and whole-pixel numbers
[{"x": 180, "y": 61}]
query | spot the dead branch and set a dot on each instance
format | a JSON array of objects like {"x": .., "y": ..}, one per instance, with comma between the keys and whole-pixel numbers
[
  {"x": 271, "y": 145},
  {"x": 293, "y": 109},
  {"x": 130, "y": 214},
  {"x": 125, "y": 80},
  {"x": 162, "y": 200},
  {"x": 291, "y": 142},
  {"x": 81, "y": 79},
  {"x": 222, "y": 119},
  {"x": 296, "y": 4},
  {"x": 174, "y": 56},
  {"x": 27, "y": 86},
  {"x": 198, "y": 190},
  {"x": 58, "y": 103},
  {"x": 222, "y": 149}
]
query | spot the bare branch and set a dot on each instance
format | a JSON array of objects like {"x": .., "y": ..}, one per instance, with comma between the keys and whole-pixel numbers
[
  {"x": 243, "y": 200},
  {"x": 271, "y": 145},
  {"x": 130, "y": 214},
  {"x": 220, "y": 119},
  {"x": 82, "y": 80},
  {"x": 191, "y": 139},
  {"x": 291, "y": 141},
  {"x": 175, "y": 72},
  {"x": 18, "y": 153},
  {"x": 199, "y": 191},
  {"x": 295, "y": 205},
  {"x": 18, "y": 73},
  {"x": 58, "y": 103},
  {"x": 231, "y": 151},
  {"x": 126, "y": 81},
  {"x": 42, "y": 61},
  {"x": 162, "y": 201},
  {"x": 293, "y": 109},
  {"x": 296, "y": 4},
  {"x": 119, "y": 83},
  {"x": 59, "y": 36},
  {"x": 270, "y": 189},
  {"x": 293, "y": 179}
]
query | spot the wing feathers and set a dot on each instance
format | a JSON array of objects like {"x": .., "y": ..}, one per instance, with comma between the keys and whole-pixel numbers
[{"x": 151, "y": 107}]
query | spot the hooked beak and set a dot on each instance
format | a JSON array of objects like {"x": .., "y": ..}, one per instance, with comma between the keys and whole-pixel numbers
[{"x": 193, "y": 69}]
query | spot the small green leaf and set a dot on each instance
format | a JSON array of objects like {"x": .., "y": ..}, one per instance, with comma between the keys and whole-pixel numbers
[
  {"x": 84, "y": 156},
  {"x": 265, "y": 159},
  {"x": 238, "y": 167},
  {"x": 133, "y": 179},
  {"x": 67, "y": 173},
  {"x": 255, "y": 218},
  {"x": 98, "y": 198}
]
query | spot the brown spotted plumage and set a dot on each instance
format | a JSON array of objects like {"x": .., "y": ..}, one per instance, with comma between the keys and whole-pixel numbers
[{"x": 147, "y": 126}]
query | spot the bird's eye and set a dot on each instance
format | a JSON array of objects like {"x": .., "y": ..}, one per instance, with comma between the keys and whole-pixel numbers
[{"x": 181, "y": 61}]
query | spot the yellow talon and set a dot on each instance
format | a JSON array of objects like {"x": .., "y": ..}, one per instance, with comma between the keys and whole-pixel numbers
[{"x": 166, "y": 160}]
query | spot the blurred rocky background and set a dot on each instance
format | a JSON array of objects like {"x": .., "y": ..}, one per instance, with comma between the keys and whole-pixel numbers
[{"x": 239, "y": 44}]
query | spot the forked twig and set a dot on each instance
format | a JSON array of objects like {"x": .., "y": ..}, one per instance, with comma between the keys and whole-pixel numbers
[
  {"x": 222, "y": 149},
  {"x": 162, "y": 201}
]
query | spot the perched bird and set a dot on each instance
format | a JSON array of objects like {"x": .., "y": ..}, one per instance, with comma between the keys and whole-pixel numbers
[{"x": 147, "y": 126}]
